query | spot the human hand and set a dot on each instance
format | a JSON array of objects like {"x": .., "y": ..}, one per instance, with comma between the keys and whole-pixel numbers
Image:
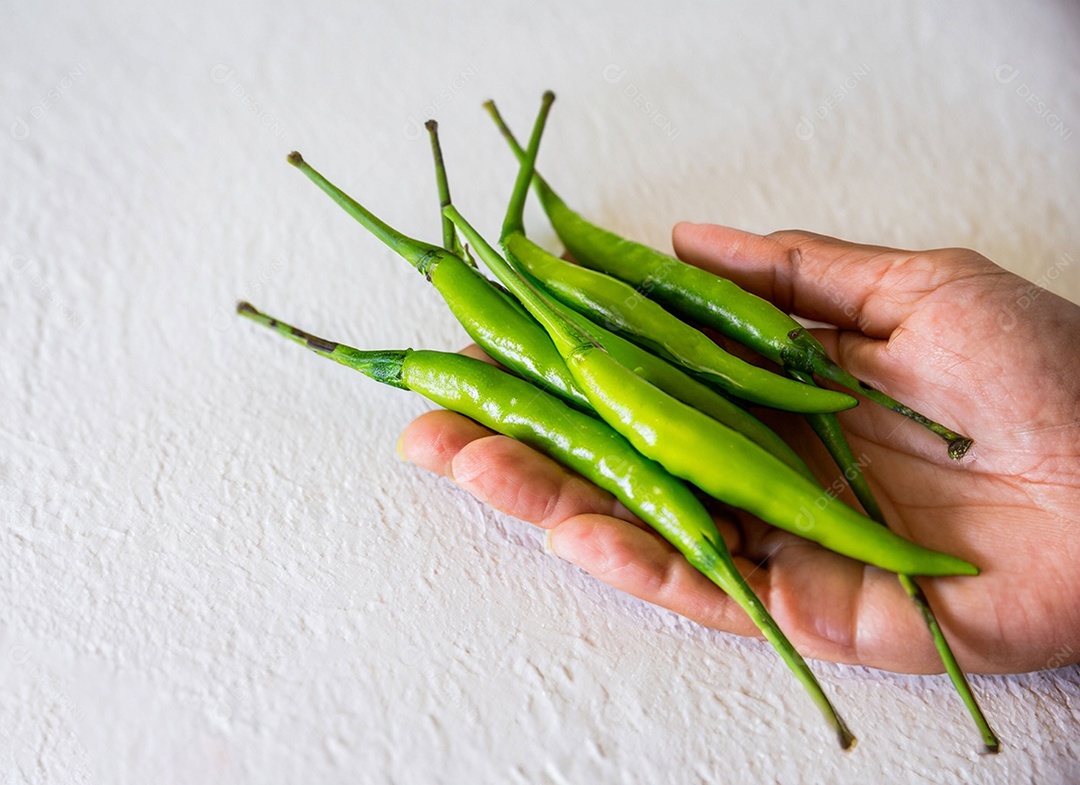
[{"x": 945, "y": 331}]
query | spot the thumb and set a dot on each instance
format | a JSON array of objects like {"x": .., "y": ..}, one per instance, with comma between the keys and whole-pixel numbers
[{"x": 855, "y": 287}]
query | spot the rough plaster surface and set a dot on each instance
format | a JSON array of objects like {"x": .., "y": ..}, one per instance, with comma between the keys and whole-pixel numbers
[{"x": 214, "y": 569}]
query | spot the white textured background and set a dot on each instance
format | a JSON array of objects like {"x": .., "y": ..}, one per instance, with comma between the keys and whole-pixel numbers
[{"x": 214, "y": 568}]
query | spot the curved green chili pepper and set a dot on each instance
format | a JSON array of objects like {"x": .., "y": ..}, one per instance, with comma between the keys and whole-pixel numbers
[
  {"x": 491, "y": 318},
  {"x": 709, "y": 299},
  {"x": 618, "y": 304},
  {"x": 693, "y": 446},
  {"x": 678, "y": 384},
  {"x": 827, "y": 427},
  {"x": 515, "y": 408}
]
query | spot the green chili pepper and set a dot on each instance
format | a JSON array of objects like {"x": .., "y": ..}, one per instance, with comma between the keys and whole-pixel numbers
[
  {"x": 695, "y": 447},
  {"x": 491, "y": 318},
  {"x": 828, "y": 429},
  {"x": 603, "y": 298},
  {"x": 675, "y": 382},
  {"x": 515, "y": 408},
  {"x": 619, "y": 305},
  {"x": 708, "y": 299}
]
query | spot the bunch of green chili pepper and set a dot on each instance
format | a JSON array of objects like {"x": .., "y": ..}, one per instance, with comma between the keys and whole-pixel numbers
[
  {"x": 708, "y": 299},
  {"x": 641, "y": 411}
]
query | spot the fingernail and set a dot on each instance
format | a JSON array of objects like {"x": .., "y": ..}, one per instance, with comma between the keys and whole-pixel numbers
[{"x": 401, "y": 449}]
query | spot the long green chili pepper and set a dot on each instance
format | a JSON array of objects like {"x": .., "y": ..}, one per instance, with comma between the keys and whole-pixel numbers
[
  {"x": 607, "y": 299},
  {"x": 827, "y": 427},
  {"x": 708, "y": 299},
  {"x": 695, "y": 447},
  {"x": 515, "y": 408},
  {"x": 491, "y": 318},
  {"x": 677, "y": 383}
]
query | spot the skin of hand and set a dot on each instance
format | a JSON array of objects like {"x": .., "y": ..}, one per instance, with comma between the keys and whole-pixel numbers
[{"x": 945, "y": 331}]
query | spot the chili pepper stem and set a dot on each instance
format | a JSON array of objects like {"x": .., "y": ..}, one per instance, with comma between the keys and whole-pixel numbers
[
  {"x": 546, "y": 193},
  {"x": 827, "y": 427},
  {"x": 469, "y": 299},
  {"x": 826, "y": 367},
  {"x": 419, "y": 254},
  {"x": 451, "y": 241},
  {"x": 514, "y": 222},
  {"x": 991, "y": 743},
  {"x": 382, "y": 366},
  {"x": 735, "y": 586},
  {"x": 566, "y": 337}
]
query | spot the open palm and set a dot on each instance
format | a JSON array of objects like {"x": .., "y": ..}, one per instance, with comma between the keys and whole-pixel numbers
[{"x": 945, "y": 331}]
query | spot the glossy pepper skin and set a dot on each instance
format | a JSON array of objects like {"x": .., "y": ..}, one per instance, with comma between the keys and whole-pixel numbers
[
  {"x": 618, "y": 304},
  {"x": 709, "y": 300},
  {"x": 515, "y": 408},
  {"x": 665, "y": 375},
  {"x": 678, "y": 384},
  {"x": 729, "y": 467}
]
